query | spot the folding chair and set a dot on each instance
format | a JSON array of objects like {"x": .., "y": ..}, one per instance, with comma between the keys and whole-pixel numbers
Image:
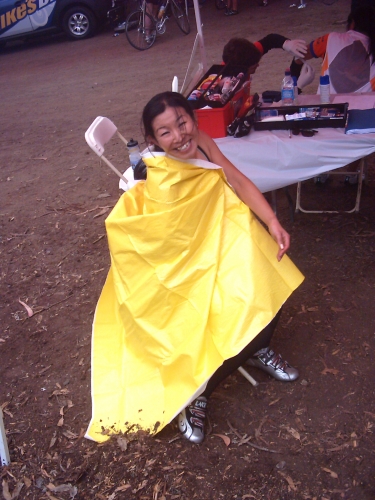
[
  {"x": 98, "y": 135},
  {"x": 362, "y": 165},
  {"x": 4, "y": 452}
]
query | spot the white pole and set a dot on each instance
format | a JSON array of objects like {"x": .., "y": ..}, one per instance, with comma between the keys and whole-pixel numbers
[
  {"x": 200, "y": 34},
  {"x": 248, "y": 376},
  {"x": 4, "y": 452}
]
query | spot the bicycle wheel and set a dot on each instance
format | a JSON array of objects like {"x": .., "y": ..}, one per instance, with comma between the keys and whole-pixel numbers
[
  {"x": 138, "y": 35},
  {"x": 220, "y": 4},
  {"x": 179, "y": 13}
]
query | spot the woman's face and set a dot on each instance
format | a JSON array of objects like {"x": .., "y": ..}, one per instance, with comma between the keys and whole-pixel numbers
[
  {"x": 176, "y": 133},
  {"x": 252, "y": 69}
]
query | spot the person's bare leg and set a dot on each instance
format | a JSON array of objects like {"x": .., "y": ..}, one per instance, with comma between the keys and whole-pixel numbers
[
  {"x": 232, "y": 8},
  {"x": 152, "y": 10}
]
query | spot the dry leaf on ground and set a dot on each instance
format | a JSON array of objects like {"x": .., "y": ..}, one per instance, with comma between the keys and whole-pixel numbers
[
  {"x": 331, "y": 472},
  {"x": 30, "y": 312},
  {"x": 226, "y": 439}
]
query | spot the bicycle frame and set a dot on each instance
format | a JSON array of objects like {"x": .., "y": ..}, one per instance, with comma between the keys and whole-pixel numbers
[
  {"x": 161, "y": 22},
  {"x": 144, "y": 24}
]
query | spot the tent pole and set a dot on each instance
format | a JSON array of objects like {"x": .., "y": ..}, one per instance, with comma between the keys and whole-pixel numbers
[{"x": 200, "y": 35}]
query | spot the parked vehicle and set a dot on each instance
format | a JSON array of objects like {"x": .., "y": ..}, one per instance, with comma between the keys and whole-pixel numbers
[{"x": 79, "y": 19}]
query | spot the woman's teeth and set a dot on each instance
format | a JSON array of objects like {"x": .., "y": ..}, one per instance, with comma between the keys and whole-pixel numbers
[{"x": 185, "y": 146}]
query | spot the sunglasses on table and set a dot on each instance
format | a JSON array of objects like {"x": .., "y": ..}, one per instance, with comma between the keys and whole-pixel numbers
[{"x": 304, "y": 132}]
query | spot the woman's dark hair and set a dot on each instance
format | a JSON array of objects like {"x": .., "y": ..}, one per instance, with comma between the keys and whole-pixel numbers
[
  {"x": 241, "y": 52},
  {"x": 158, "y": 105},
  {"x": 363, "y": 18}
]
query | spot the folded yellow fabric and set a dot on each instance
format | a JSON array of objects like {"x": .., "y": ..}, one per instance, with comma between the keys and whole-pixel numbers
[{"x": 193, "y": 279}]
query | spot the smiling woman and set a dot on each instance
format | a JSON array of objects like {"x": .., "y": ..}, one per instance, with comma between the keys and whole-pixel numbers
[
  {"x": 196, "y": 284},
  {"x": 175, "y": 132}
]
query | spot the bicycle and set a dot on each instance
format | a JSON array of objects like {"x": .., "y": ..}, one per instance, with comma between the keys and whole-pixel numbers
[{"x": 141, "y": 27}]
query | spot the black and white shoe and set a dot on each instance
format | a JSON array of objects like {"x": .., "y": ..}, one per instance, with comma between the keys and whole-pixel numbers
[
  {"x": 191, "y": 420},
  {"x": 232, "y": 127},
  {"x": 244, "y": 127},
  {"x": 267, "y": 360}
]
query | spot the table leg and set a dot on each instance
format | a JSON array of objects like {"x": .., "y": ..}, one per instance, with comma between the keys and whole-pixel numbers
[{"x": 358, "y": 196}]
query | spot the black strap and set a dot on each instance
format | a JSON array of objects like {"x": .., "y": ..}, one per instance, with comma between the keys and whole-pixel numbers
[{"x": 204, "y": 153}]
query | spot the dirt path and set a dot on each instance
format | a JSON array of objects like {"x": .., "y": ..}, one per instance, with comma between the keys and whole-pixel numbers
[{"x": 318, "y": 434}]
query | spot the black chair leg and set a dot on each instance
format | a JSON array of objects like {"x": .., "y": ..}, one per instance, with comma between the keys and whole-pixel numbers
[{"x": 290, "y": 202}]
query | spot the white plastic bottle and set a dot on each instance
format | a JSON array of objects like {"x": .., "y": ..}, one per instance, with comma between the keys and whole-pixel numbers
[
  {"x": 134, "y": 153},
  {"x": 226, "y": 91},
  {"x": 287, "y": 89},
  {"x": 324, "y": 89},
  {"x": 235, "y": 86},
  {"x": 295, "y": 102},
  {"x": 161, "y": 11}
]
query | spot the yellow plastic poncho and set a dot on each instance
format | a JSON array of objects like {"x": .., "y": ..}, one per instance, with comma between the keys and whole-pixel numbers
[{"x": 193, "y": 279}]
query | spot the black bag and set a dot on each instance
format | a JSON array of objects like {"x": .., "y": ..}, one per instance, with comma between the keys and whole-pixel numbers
[
  {"x": 240, "y": 127},
  {"x": 271, "y": 96},
  {"x": 140, "y": 171}
]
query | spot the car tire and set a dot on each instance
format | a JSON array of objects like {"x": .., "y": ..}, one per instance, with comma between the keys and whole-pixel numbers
[{"x": 79, "y": 23}]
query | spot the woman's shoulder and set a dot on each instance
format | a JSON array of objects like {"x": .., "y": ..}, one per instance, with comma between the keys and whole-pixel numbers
[
  {"x": 204, "y": 137},
  {"x": 205, "y": 141},
  {"x": 206, "y": 144}
]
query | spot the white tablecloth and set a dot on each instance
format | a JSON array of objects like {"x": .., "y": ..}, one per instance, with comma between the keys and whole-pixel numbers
[{"x": 271, "y": 159}]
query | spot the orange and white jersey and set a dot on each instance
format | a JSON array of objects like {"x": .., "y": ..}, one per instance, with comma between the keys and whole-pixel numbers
[{"x": 346, "y": 61}]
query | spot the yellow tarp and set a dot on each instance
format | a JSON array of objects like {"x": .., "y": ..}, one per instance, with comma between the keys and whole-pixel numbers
[{"x": 193, "y": 279}]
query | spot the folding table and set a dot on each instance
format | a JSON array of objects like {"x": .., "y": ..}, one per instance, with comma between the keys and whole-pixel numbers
[{"x": 273, "y": 159}]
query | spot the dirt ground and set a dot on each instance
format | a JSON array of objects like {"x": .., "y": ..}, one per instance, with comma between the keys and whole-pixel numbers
[{"x": 312, "y": 439}]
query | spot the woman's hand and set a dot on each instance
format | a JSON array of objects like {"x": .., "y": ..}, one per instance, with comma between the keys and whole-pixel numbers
[
  {"x": 281, "y": 237},
  {"x": 297, "y": 47},
  {"x": 306, "y": 76}
]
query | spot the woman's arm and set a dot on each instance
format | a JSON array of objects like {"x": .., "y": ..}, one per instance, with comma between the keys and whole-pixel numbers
[
  {"x": 306, "y": 57},
  {"x": 317, "y": 48},
  {"x": 271, "y": 41},
  {"x": 248, "y": 193},
  {"x": 275, "y": 41}
]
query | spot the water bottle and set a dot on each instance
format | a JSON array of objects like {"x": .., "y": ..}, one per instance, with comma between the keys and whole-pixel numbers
[
  {"x": 287, "y": 89},
  {"x": 235, "y": 83},
  {"x": 226, "y": 91},
  {"x": 161, "y": 11},
  {"x": 324, "y": 89},
  {"x": 134, "y": 153},
  {"x": 295, "y": 90}
]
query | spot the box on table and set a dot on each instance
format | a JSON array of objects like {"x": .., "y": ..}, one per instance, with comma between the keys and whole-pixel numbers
[
  {"x": 215, "y": 119},
  {"x": 306, "y": 116}
]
